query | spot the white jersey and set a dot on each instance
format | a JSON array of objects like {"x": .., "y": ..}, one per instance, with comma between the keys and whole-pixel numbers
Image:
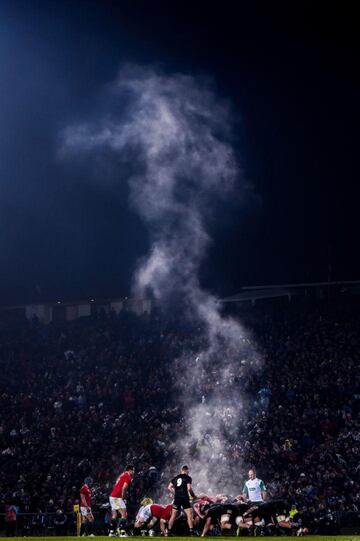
[
  {"x": 144, "y": 514},
  {"x": 253, "y": 489}
]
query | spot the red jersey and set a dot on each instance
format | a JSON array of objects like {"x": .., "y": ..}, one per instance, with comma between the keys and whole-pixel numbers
[
  {"x": 117, "y": 491},
  {"x": 204, "y": 498},
  {"x": 161, "y": 511},
  {"x": 86, "y": 492}
]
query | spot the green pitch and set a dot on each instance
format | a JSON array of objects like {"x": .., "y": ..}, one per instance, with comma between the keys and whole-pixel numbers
[{"x": 307, "y": 538}]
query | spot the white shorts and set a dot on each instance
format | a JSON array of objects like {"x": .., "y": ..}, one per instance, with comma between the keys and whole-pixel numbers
[
  {"x": 85, "y": 511},
  {"x": 144, "y": 514},
  {"x": 117, "y": 503}
]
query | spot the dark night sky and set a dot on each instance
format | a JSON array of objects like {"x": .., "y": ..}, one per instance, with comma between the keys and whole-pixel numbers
[{"x": 289, "y": 69}]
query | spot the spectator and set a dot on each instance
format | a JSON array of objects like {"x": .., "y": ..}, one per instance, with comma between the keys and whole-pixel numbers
[
  {"x": 11, "y": 512},
  {"x": 65, "y": 414},
  {"x": 60, "y": 521}
]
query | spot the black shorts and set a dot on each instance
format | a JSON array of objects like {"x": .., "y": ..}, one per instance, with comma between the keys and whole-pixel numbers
[
  {"x": 232, "y": 518},
  {"x": 181, "y": 502}
]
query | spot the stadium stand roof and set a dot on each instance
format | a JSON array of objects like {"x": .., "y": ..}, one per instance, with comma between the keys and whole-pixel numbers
[{"x": 253, "y": 293}]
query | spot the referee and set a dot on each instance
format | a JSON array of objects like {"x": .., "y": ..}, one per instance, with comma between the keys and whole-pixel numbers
[
  {"x": 254, "y": 490},
  {"x": 181, "y": 489}
]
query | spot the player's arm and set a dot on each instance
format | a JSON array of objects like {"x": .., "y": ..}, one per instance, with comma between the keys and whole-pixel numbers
[
  {"x": 263, "y": 490},
  {"x": 124, "y": 490},
  {"x": 196, "y": 508},
  {"x": 190, "y": 491},
  {"x": 171, "y": 488},
  {"x": 163, "y": 526},
  {"x": 206, "y": 527},
  {"x": 245, "y": 493},
  {"x": 83, "y": 501},
  {"x": 152, "y": 523},
  {"x": 138, "y": 523},
  {"x": 251, "y": 511}
]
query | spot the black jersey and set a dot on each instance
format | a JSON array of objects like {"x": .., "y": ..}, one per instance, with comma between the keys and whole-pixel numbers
[
  {"x": 216, "y": 511},
  {"x": 268, "y": 510},
  {"x": 180, "y": 483},
  {"x": 269, "y": 506}
]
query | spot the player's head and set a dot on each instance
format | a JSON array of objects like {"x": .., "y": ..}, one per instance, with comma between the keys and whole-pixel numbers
[
  {"x": 146, "y": 501},
  {"x": 185, "y": 469},
  {"x": 88, "y": 481},
  {"x": 252, "y": 473},
  {"x": 130, "y": 468}
]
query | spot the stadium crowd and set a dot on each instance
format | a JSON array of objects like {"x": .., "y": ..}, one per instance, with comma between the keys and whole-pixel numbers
[{"x": 88, "y": 396}]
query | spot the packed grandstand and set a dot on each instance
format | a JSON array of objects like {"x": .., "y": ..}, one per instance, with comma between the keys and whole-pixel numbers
[{"x": 86, "y": 397}]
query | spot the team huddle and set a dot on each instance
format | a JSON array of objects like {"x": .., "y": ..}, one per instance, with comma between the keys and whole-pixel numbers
[{"x": 249, "y": 512}]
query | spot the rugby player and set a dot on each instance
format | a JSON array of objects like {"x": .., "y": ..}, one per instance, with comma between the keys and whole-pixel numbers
[
  {"x": 151, "y": 513},
  {"x": 163, "y": 513},
  {"x": 87, "y": 518},
  {"x": 181, "y": 489},
  {"x": 118, "y": 500},
  {"x": 223, "y": 513},
  {"x": 141, "y": 516},
  {"x": 266, "y": 513},
  {"x": 199, "y": 506}
]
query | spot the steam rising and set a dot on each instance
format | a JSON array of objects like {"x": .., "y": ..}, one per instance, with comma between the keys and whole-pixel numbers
[{"x": 174, "y": 132}]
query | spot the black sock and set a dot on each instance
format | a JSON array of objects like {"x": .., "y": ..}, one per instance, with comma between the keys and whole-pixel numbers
[
  {"x": 82, "y": 528},
  {"x": 114, "y": 524},
  {"x": 122, "y": 523}
]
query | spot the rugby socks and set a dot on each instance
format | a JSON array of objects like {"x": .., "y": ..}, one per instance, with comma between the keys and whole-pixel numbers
[
  {"x": 122, "y": 523},
  {"x": 114, "y": 524}
]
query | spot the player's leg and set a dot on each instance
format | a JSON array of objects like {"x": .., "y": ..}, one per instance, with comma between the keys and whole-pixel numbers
[
  {"x": 151, "y": 523},
  {"x": 83, "y": 511},
  {"x": 163, "y": 524},
  {"x": 114, "y": 504},
  {"x": 225, "y": 523},
  {"x": 114, "y": 523},
  {"x": 123, "y": 517},
  {"x": 89, "y": 527},
  {"x": 83, "y": 527},
  {"x": 242, "y": 525},
  {"x": 189, "y": 518},
  {"x": 123, "y": 513},
  {"x": 207, "y": 526},
  {"x": 174, "y": 514}
]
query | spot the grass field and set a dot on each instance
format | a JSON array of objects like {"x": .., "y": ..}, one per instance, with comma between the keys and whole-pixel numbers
[{"x": 308, "y": 538}]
